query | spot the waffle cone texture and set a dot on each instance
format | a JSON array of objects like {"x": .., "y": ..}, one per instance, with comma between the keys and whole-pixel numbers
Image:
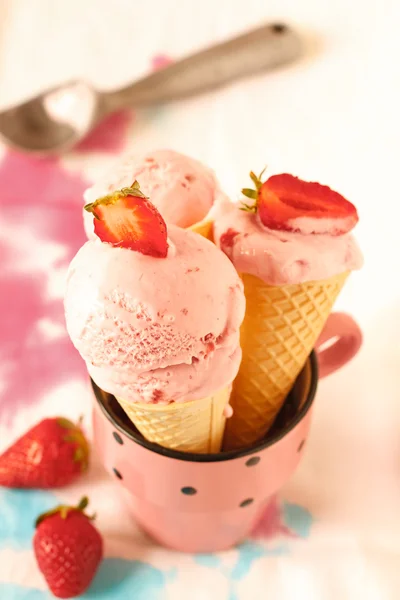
[
  {"x": 196, "y": 426},
  {"x": 279, "y": 331}
]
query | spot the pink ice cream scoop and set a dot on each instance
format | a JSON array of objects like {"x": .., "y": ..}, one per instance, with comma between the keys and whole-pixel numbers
[
  {"x": 184, "y": 190},
  {"x": 156, "y": 330},
  {"x": 299, "y": 243}
]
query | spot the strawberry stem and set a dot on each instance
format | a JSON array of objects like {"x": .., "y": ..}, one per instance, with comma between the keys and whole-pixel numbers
[
  {"x": 249, "y": 193},
  {"x": 79, "y": 455},
  {"x": 251, "y": 208},
  {"x": 255, "y": 180},
  {"x": 112, "y": 198},
  {"x": 253, "y": 193},
  {"x": 75, "y": 435},
  {"x": 64, "y": 510},
  {"x": 65, "y": 423},
  {"x": 83, "y": 503}
]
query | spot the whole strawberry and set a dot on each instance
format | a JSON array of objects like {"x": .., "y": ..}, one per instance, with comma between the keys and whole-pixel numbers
[
  {"x": 68, "y": 549},
  {"x": 51, "y": 454}
]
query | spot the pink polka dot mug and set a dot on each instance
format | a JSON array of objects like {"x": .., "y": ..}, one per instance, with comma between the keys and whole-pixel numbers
[{"x": 203, "y": 503}]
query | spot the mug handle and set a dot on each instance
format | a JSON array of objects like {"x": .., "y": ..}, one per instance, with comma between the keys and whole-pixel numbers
[{"x": 345, "y": 339}]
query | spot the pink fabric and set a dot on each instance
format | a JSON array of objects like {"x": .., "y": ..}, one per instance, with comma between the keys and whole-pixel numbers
[
  {"x": 47, "y": 198},
  {"x": 109, "y": 135}
]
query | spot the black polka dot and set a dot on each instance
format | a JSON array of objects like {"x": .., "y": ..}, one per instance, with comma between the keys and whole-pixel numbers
[
  {"x": 189, "y": 491},
  {"x": 254, "y": 460},
  {"x": 118, "y": 438},
  {"x": 117, "y": 474},
  {"x": 246, "y": 502},
  {"x": 300, "y": 448},
  {"x": 278, "y": 28}
]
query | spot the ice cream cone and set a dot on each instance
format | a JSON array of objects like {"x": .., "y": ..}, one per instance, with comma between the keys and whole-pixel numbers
[
  {"x": 204, "y": 228},
  {"x": 281, "y": 326},
  {"x": 196, "y": 426}
]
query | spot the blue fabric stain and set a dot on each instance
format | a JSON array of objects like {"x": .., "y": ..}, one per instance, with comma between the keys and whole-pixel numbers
[
  {"x": 172, "y": 574},
  {"x": 249, "y": 552},
  {"x": 119, "y": 579},
  {"x": 298, "y": 519},
  {"x": 19, "y": 510},
  {"x": 116, "y": 579},
  {"x": 212, "y": 561},
  {"x": 9, "y": 591},
  {"x": 122, "y": 579}
]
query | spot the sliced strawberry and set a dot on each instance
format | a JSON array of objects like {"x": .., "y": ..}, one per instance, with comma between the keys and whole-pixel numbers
[
  {"x": 227, "y": 239},
  {"x": 287, "y": 203},
  {"x": 127, "y": 219}
]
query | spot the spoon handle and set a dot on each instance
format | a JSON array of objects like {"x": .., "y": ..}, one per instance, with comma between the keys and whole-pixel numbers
[{"x": 248, "y": 54}]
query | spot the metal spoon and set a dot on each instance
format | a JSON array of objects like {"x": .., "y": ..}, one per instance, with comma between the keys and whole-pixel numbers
[{"x": 59, "y": 118}]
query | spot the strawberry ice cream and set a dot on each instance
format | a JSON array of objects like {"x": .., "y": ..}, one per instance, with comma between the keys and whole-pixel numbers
[
  {"x": 282, "y": 257},
  {"x": 184, "y": 190},
  {"x": 292, "y": 245},
  {"x": 156, "y": 329},
  {"x": 293, "y": 248}
]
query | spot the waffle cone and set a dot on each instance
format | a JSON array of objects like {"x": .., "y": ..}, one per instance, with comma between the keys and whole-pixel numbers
[
  {"x": 204, "y": 228},
  {"x": 196, "y": 426},
  {"x": 279, "y": 331}
]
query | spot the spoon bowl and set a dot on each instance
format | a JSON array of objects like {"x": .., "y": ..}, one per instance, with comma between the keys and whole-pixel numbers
[{"x": 54, "y": 121}]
